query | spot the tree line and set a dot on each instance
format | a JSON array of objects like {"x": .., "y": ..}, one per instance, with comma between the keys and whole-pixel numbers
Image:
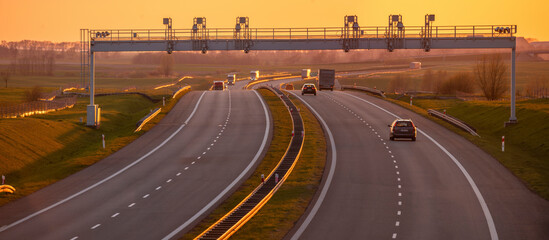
[
  {"x": 36, "y": 58},
  {"x": 490, "y": 76}
]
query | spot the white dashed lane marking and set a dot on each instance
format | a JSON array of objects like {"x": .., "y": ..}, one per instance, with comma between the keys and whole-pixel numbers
[
  {"x": 95, "y": 226},
  {"x": 115, "y": 215},
  {"x": 399, "y": 203},
  {"x": 131, "y": 205}
]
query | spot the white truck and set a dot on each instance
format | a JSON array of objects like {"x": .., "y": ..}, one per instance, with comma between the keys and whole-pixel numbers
[
  {"x": 254, "y": 75},
  {"x": 305, "y": 73},
  {"x": 231, "y": 78}
]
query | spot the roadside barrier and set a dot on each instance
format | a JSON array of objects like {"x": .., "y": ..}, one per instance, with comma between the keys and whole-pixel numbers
[
  {"x": 180, "y": 91},
  {"x": 245, "y": 210},
  {"x": 365, "y": 89},
  {"x": 37, "y": 107},
  {"x": 147, "y": 118},
  {"x": 7, "y": 189},
  {"x": 454, "y": 121}
]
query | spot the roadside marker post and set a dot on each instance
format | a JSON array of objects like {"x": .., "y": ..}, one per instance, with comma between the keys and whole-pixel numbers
[
  {"x": 503, "y": 143},
  {"x": 163, "y": 101},
  {"x": 103, "y": 138},
  {"x": 276, "y": 177},
  {"x": 411, "y": 100},
  {"x": 3, "y": 179},
  {"x": 262, "y": 178}
]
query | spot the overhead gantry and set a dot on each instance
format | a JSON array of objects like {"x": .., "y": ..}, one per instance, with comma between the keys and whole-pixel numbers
[{"x": 244, "y": 38}]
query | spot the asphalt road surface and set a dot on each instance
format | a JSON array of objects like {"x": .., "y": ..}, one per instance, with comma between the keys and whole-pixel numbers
[
  {"x": 438, "y": 187},
  {"x": 160, "y": 184}
]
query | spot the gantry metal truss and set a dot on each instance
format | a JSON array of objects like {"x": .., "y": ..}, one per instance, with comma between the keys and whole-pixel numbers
[{"x": 351, "y": 36}]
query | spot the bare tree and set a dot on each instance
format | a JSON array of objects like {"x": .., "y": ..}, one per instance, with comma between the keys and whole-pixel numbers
[
  {"x": 398, "y": 84},
  {"x": 440, "y": 79},
  {"x": 538, "y": 88},
  {"x": 34, "y": 94},
  {"x": 490, "y": 75},
  {"x": 6, "y": 76},
  {"x": 460, "y": 82},
  {"x": 427, "y": 84},
  {"x": 166, "y": 65}
]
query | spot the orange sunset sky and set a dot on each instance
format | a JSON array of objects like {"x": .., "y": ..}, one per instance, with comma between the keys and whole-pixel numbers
[{"x": 60, "y": 20}]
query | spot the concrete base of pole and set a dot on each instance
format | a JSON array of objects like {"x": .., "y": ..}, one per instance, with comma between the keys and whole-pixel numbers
[{"x": 510, "y": 123}]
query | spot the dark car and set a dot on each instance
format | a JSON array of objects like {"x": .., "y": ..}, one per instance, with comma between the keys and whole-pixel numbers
[
  {"x": 403, "y": 128},
  {"x": 308, "y": 88}
]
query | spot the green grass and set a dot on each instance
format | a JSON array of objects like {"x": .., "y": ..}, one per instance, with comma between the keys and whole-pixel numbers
[
  {"x": 279, "y": 214},
  {"x": 289, "y": 203},
  {"x": 42, "y": 149},
  {"x": 526, "y": 143}
]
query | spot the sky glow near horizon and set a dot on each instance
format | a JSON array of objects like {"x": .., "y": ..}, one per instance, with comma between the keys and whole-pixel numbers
[{"x": 61, "y": 20}]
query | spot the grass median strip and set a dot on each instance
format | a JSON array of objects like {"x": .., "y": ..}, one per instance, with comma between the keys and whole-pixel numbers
[{"x": 278, "y": 216}]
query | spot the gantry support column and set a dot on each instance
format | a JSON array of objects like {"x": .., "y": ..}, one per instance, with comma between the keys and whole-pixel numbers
[
  {"x": 513, "y": 117},
  {"x": 93, "y": 111}
]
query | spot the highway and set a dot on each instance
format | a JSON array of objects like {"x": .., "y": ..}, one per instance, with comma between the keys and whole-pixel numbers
[
  {"x": 158, "y": 186},
  {"x": 439, "y": 187}
]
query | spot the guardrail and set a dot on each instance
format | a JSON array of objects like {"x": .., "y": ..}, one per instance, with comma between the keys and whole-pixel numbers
[
  {"x": 365, "y": 89},
  {"x": 245, "y": 210},
  {"x": 37, "y": 107},
  {"x": 454, "y": 121},
  {"x": 147, "y": 118},
  {"x": 180, "y": 91},
  {"x": 268, "y": 79},
  {"x": 110, "y": 94}
]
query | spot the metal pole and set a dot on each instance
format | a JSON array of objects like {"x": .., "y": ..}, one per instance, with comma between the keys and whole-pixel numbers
[
  {"x": 92, "y": 78},
  {"x": 513, "y": 118}
]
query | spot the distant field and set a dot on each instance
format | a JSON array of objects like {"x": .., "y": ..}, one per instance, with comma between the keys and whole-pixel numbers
[{"x": 525, "y": 72}]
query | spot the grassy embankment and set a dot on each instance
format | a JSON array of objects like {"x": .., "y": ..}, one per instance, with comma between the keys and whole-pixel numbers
[
  {"x": 42, "y": 149},
  {"x": 279, "y": 215}
]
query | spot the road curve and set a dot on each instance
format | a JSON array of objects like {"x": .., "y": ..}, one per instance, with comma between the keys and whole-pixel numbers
[
  {"x": 160, "y": 184},
  {"x": 384, "y": 189}
]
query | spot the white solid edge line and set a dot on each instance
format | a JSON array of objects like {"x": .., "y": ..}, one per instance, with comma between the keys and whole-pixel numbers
[
  {"x": 328, "y": 182},
  {"x": 485, "y": 210},
  {"x": 109, "y": 177},
  {"x": 235, "y": 181}
]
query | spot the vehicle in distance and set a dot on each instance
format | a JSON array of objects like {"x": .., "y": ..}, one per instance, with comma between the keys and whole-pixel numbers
[
  {"x": 305, "y": 73},
  {"x": 326, "y": 79},
  {"x": 231, "y": 78},
  {"x": 254, "y": 75},
  {"x": 308, "y": 88},
  {"x": 219, "y": 85},
  {"x": 403, "y": 128}
]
